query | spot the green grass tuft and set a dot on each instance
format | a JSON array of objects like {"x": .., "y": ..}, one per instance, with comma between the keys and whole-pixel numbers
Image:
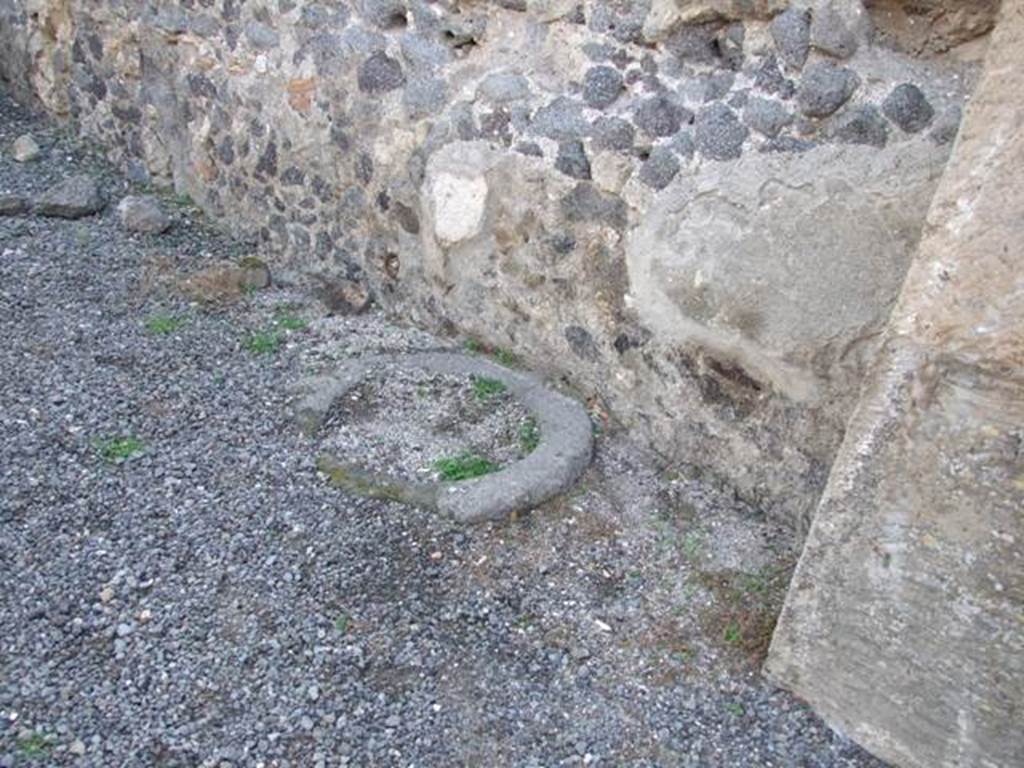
[
  {"x": 290, "y": 322},
  {"x": 693, "y": 545},
  {"x": 118, "y": 449},
  {"x": 35, "y": 746},
  {"x": 465, "y": 466},
  {"x": 732, "y": 633},
  {"x": 341, "y": 623},
  {"x": 529, "y": 436},
  {"x": 486, "y": 388},
  {"x": 263, "y": 342},
  {"x": 164, "y": 325},
  {"x": 505, "y": 357}
]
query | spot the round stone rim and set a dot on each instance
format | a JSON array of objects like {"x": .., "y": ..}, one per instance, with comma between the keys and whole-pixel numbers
[{"x": 564, "y": 450}]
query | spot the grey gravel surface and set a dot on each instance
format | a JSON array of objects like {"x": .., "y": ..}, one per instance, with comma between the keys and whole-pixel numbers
[{"x": 211, "y": 601}]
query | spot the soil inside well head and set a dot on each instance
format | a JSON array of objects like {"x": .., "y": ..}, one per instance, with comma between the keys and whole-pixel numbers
[{"x": 420, "y": 426}]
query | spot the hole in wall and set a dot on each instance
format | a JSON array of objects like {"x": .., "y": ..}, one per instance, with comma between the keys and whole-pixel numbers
[{"x": 397, "y": 20}]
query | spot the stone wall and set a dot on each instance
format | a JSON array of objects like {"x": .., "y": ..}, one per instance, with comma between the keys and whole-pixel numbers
[
  {"x": 903, "y": 624},
  {"x": 699, "y": 212}
]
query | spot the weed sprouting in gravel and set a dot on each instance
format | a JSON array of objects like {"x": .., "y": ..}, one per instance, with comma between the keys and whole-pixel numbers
[
  {"x": 119, "y": 449},
  {"x": 290, "y": 322},
  {"x": 529, "y": 436},
  {"x": 746, "y": 606},
  {"x": 164, "y": 325},
  {"x": 268, "y": 341},
  {"x": 341, "y": 623},
  {"x": 34, "y": 746},
  {"x": 485, "y": 388},
  {"x": 263, "y": 342},
  {"x": 465, "y": 466},
  {"x": 732, "y": 634},
  {"x": 692, "y": 546}
]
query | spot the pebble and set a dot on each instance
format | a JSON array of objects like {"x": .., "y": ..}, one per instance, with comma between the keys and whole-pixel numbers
[
  {"x": 143, "y": 214},
  {"x": 25, "y": 149}
]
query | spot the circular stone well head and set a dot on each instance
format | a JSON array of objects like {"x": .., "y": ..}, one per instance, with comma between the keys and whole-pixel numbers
[{"x": 448, "y": 431}]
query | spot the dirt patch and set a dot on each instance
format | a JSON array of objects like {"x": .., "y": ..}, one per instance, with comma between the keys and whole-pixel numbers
[
  {"x": 417, "y": 425},
  {"x": 744, "y": 609}
]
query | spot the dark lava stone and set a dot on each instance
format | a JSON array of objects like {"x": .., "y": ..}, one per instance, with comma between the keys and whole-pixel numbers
[
  {"x": 787, "y": 144},
  {"x": 766, "y": 116},
  {"x": 695, "y": 43},
  {"x": 660, "y": 168},
  {"x": 791, "y": 31},
  {"x": 658, "y": 116},
  {"x": 770, "y": 79},
  {"x": 586, "y": 204},
  {"x": 908, "y": 107},
  {"x": 380, "y": 73},
  {"x": 824, "y": 88},
  {"x": 561, "y": 119},
  {"x": 572, "y": 159},
  {"x": 719, "y": 133},
  {"x": 613, "y": 133},
  {"x": 601, "y": 86},
  {"x": 863, "y": 125},
  {"x": 582, "y": 343},
  {"x": 529, "y": 148}
]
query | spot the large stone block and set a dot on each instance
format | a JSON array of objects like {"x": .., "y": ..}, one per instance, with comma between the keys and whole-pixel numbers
[
  {"x": 903, "y": 624},
  {"x": 783, "y": 263}
]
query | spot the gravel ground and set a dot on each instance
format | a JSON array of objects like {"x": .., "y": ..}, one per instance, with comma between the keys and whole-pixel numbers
[
  {"x": 400, "y": 423},
  {"x": 210, "y": 601}
]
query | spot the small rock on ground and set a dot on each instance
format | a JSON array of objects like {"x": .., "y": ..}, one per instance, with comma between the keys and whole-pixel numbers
[
  {"x": 13, "y": 205},
  {"x": 143, "y": 214},
  {"x": 25, "y": 149},
  {"x": 72, "y": 198}
]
